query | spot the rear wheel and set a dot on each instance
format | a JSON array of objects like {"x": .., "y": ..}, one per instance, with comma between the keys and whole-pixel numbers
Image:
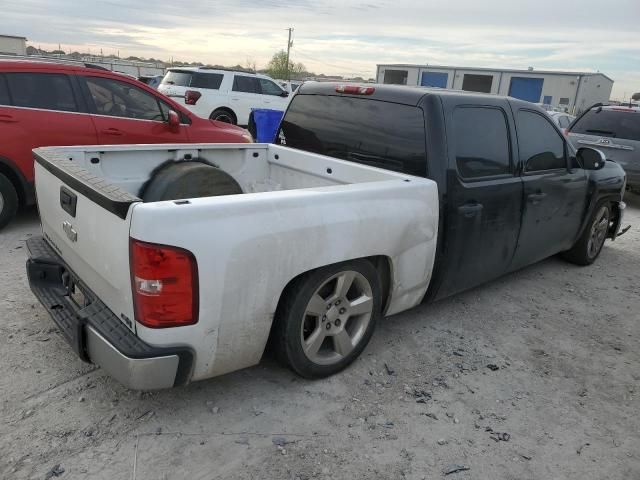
[
  {"x": 327, "y": 318},
  {"x": 224, "y": 115},
  {"x": 590, "y": 244},
  {"x": 8, "y": 201}
]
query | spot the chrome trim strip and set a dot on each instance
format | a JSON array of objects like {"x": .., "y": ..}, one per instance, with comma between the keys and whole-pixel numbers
[
  {"x": 135, "y": 373},
  {"x": 616, "y": 146}
]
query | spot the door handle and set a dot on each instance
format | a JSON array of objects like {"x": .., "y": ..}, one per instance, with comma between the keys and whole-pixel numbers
[
  {"x": 7, "y": 119},
  {"x": 470, "y": 210},
  {"x": 536, "y": 198},
  {"x": 113, "y": 131}
]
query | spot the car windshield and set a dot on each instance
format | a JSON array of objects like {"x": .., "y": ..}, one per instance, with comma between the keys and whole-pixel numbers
[
  {"x": 178, "y": 78},
  {"x": 623, "y": 124}
]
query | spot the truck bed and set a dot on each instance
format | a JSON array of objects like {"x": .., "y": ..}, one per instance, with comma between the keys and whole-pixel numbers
[{"x": 298, "y": 211}]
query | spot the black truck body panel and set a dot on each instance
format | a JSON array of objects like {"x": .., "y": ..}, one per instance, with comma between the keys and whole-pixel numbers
[{"x": 517, "y": 212}]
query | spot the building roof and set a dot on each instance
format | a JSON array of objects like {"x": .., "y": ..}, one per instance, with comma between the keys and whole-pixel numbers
[
  {"x": 504, "y": 70},
  {"x": 12, "y": 36}
]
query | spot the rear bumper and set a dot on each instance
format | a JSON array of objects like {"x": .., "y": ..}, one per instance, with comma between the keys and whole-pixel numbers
[{"x": 95, "y": 333}]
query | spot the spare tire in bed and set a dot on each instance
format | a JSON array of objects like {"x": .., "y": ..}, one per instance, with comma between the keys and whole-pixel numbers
[{"x": 175, "y": 181}]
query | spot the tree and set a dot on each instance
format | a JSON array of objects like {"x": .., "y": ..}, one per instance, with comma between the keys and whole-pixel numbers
[{"x": 277, "y": 67}]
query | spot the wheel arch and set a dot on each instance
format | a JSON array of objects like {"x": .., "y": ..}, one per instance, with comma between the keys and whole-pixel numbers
[
  {"x": 15, "y": 176},
  {"x": 226, "y": 109},
  {"x": 381, "y": 263}
]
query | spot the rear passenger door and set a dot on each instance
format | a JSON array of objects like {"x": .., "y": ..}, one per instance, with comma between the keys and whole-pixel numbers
[
  {"x": 245, "y": 95},
  {"x": 41, "y": 109},
  {"x": 554, "y": 194},
  {"x": 484, "y": 193}
]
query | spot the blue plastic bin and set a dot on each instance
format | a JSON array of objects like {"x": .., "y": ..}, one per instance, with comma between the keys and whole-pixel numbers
[{"x": 267, "y": 122}]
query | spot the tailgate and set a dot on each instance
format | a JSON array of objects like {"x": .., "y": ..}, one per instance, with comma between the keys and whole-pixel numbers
[{"x": 86, "y": 220}]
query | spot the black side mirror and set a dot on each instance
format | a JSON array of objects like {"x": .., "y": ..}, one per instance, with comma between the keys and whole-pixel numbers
[
  {"x": 590, "y": 158},
  {"x": 284, "y": 94}
]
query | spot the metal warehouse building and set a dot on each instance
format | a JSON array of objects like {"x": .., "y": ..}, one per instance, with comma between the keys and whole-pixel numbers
[
  {"x": 10, "y": 45},
  {"x": 570, "y": 91}
]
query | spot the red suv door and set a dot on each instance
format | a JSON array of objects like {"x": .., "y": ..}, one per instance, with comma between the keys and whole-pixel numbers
[
  {"x": 40, "y": 109},
  {"x": 123, "y": 113}
]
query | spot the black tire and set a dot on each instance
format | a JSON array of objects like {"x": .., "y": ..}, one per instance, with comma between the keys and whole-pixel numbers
[
  {"x": 224, "y": 115},
  {"x": 8, "y": 201},
  {"x": 175, "y": 181},
  {"x": 590, "y": 243},
  {"x": 291, "y": 319}
]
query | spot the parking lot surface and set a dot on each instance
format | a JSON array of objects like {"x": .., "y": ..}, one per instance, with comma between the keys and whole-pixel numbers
[{"x": 535, "y": 375}]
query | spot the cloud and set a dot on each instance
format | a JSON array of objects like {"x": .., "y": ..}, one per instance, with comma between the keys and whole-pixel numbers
[{"x": 345, "y": 37}]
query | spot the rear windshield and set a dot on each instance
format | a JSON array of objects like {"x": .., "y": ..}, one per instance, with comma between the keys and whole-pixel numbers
[
  {"x": 185, "y": 78},
  {"x": 380, "y": 134},
  {"x": 609, "y": 123}
]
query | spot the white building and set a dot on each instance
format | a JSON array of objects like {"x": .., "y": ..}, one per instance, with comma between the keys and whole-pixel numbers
[
  {"x": 570, "y": 91},
  {"x": 10, "y": 45}
]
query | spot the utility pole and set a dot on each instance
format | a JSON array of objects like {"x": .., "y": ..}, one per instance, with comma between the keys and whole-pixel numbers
[{"x": 289, "y": 45}]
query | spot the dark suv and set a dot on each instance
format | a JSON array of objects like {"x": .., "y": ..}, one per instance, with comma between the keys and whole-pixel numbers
[{"x": 616, "y": 131}]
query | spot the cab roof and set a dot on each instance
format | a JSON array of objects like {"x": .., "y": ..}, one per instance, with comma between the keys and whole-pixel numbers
[{"x": 409, "y": 95}]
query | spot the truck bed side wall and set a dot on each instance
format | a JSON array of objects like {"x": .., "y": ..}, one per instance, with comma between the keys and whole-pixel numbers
[{"x": 249, "y": 247}]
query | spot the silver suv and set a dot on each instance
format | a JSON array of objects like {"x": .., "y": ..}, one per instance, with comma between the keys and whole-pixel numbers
[{"x": 616, "y": 131}]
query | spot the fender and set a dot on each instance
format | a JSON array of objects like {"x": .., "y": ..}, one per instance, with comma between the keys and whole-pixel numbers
[
  {"x": 26, "y": 190},
  {"x": 606, "y": 184}
]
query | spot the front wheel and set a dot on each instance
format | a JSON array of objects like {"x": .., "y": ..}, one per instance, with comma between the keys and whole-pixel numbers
[
  {"x": 327, "y": 317},
  {"x": 590, "y": 244}
]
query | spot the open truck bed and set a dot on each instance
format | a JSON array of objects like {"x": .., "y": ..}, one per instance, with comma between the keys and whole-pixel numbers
[{"x": 298, "y": 212}]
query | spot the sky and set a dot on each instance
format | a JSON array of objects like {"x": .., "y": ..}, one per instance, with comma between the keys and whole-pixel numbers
[{"x": 345, "y": 37}]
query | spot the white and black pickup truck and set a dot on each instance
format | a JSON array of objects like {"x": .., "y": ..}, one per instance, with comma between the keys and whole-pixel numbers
[
  {"x": 160, "y": 293},
  {"x": 168, "y": 264}
]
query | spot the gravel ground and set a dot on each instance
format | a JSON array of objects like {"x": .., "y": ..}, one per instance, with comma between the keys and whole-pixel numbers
[{"x": 535, "y": 375}]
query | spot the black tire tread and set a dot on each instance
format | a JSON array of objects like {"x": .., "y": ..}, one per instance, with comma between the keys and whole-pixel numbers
[
  {"x": 227, "y": 112},
  {"x": 578, "y": 253},
  {"x": 168, "y": 183},
  {"x": 11, "y": 201},
  {"x": 287, "y": 308}
]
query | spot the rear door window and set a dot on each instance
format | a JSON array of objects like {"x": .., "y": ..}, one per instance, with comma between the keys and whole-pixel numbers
[
  {"x": 481, "y": 142},
  {"x": 371, "y": 132},
  {"x": 242, "y": 83},
  {"x": 207, "y": 80},
  {"x": 48, "y": 91},
  {"x": 541, "y": 146},
  {"x": 5, "y": 99},
  {"x": 609, "y": 123},
  {"x": 178, "y": 78}
]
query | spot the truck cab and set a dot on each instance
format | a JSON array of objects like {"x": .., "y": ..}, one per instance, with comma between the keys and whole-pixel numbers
[{"x": 512, "y": 189}]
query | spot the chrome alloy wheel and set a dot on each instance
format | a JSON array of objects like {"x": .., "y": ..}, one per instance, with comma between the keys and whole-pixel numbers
[{"x": 336, "y": 317}]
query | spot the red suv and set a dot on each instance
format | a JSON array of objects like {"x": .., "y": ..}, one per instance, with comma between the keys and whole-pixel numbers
[{"x": 44, "y": 104}]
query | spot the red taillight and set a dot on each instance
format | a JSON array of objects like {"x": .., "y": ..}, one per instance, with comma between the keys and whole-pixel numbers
[
  {"x": 355, "y": 89},
  {"x": 191, "y": 97},
  {"x": 165, "y": 285}
]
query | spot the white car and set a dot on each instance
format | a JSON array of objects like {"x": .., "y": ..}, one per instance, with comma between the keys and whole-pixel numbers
[
  {"x": 563, "y": 120},
  {"x": 223, "y": 95}
]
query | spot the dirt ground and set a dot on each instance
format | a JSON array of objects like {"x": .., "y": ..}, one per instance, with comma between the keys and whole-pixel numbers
[{"x": 533, "y": 376}]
